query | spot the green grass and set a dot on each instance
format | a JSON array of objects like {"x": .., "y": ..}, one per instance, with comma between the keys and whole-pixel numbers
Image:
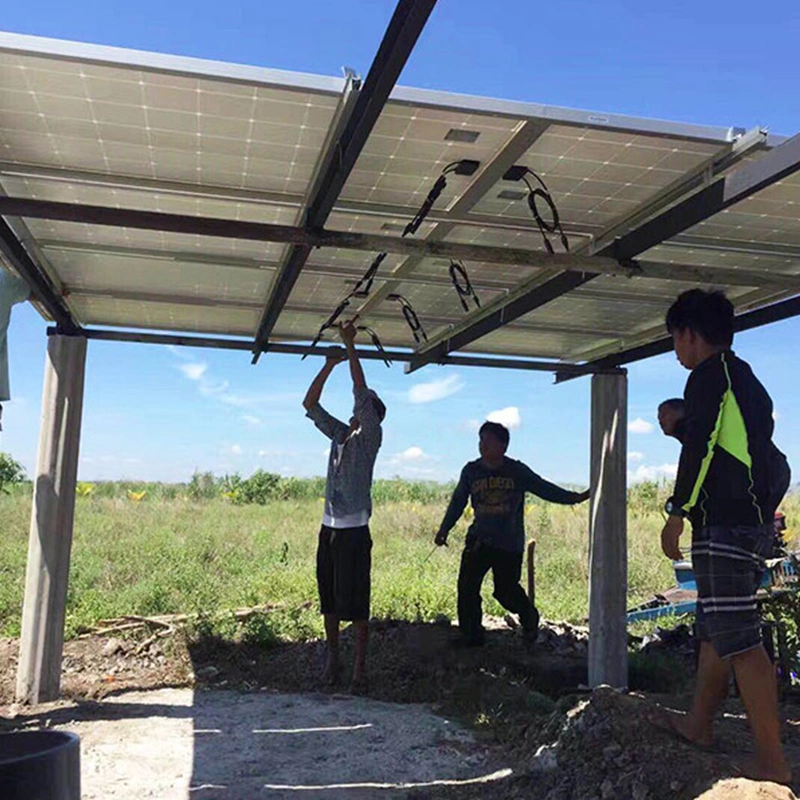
[{"x": 170, "y": 554}]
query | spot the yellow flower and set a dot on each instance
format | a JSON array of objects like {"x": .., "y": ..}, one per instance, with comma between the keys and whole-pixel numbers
[{"x": 137, "y": 497}]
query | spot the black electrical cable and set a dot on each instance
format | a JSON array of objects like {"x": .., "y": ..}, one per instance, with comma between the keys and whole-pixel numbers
[
  {"x": 543, "y": 193},
  {"x": 377, "y": 342},
  {"x": 364, "y": 285},
  {"x": 329, "y": 323},
  {"x": 411, "y": 317},
  {"x": 462, "y": 284},
  {"x": 433, "y": 196}
]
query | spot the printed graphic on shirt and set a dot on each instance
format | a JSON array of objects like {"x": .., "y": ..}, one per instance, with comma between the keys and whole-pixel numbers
[{"x": 494, "y": 495}]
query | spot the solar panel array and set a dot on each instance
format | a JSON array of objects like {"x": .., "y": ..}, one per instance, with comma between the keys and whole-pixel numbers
[{"x": 99, "y": 126}]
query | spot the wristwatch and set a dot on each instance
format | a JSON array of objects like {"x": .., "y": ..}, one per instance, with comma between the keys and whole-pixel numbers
[{"x": 673, "y": 509}]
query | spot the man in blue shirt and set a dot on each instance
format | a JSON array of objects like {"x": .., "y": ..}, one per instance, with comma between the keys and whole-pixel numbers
[{"x": 496, "y": 486}]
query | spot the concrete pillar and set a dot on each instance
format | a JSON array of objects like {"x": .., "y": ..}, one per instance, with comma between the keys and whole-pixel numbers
[
  {"x": 43, "y": 613},
  {"x": 608, "y": 551}
]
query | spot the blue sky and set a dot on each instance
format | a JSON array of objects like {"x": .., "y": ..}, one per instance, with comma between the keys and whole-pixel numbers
[{"x": 159, "y": 413}]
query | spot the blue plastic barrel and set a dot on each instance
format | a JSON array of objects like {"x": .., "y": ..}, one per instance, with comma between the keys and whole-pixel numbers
[{"x": 40, "y": 765}]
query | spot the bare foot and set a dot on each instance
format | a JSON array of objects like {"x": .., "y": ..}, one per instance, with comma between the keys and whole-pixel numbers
[
  {"x": 777, "y": 773},
  {"x": 681, "y": 727},
  {"x": 360, "y": 684}
]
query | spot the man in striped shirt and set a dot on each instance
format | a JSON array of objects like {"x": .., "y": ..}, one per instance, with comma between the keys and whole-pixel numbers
[{"x": 345, "y": 546}]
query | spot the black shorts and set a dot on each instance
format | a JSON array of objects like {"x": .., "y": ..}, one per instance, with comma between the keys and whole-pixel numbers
[{"x": 344, "y": 560}]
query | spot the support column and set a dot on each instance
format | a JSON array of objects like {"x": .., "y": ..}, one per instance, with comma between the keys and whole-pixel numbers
[
  {"x": 44, "y": 609},
  {"x": 608, "y": 545}
]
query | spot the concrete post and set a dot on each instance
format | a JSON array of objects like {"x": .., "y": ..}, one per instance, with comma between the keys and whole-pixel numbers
[
  {"x": 608, "y": 554},
  {"x": 44, "y": 609}
]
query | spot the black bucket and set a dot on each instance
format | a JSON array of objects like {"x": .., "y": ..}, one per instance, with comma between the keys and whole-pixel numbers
[{"x": 40, "y": 765}]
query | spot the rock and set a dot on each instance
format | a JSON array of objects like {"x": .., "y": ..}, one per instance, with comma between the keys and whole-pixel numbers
[
  {"x": 639, "y": 791},
  {"x": 743, "y": 789},
  {"x": 612, "y": 751},
  {"x": 207, "y": 673},
  {"x": 545, "y": 759},
  {"x": 539, "y": 704},
  {"x": 112, "y": 647}
]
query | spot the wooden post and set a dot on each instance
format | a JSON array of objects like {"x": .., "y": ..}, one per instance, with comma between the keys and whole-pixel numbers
[
  {"x": 532, "y": 571},
  {"x": 608, "y": 557},
  {"x": 44, "y": 609}
]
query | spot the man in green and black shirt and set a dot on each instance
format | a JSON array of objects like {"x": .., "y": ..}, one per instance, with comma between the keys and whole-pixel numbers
[
  {"x": 730, "y": 476},
  {"x": 496, "y": 486}
]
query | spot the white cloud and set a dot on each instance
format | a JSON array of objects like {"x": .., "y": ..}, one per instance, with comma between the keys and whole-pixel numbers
[
  {"x": 236, "y": 450},
  {"x": 220, "y": 390},
  {"x": 635, "y": 456},
  {"x": 250, "y": 419},
  {"x": 413, "y": 453},
  {"x": 249, "y": 400},
  {"x": 640, "y": 425},
  {"x": 194, "y": 370},
  {"x": 506, "y": 416},
  {"x": 775, "y": 416},
  {"x": 645, "y": 473},
  {"x": 472, "y": 424},
  {"x": 435, "y": 390}
]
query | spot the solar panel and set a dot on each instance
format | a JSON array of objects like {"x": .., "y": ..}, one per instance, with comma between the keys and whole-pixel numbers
[{"x": 97, "y": 126}]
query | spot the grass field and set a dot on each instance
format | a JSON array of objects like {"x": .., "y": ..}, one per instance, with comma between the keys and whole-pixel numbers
[{"x": 173, "y": 551}]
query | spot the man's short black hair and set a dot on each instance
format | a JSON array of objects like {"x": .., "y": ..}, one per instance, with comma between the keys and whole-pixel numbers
[
  {"x": 500, "y": 432},
  {"x": 709, "y": 314},
  {"x": 379, "y": 407},
  {"x": 675, "y": 403}
]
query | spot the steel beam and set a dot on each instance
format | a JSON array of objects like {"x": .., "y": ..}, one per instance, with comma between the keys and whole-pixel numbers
[
  {"x": 220, "y": 343},
  {"x": 287, "y": 234},
  {"x": 262, "y": 197},
  {"x": 401, "y": 36},
  {"x": 646, "y": 269},
  {"x": 252, "y": 305},
  {"x": 295, "y": 256},
  {"x": 38, "y": 281}
]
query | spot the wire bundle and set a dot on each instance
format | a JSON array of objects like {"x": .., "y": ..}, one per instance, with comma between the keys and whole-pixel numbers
[
  {"x": 363, "y": 288},
  {"x": 541, "y": 192},
  {"x": 462, "y": 285}
]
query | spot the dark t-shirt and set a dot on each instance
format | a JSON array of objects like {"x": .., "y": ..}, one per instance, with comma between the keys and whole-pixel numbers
[{"x": 498, "y": 500}]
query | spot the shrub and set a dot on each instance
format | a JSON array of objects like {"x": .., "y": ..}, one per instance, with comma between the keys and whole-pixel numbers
[
  {"x": 203, "y": 486},
  {"x": 260, "y": 487},
  {"x": 11, "y": 472}
]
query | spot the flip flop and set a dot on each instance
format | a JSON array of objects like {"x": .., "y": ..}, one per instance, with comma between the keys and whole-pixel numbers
[{"x": 664, "y": 721}]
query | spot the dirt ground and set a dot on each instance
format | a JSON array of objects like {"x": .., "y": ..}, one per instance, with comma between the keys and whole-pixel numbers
[{"x": 522, "y": 708}]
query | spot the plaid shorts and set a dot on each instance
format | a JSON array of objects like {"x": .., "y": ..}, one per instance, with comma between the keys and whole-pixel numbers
[{"x": 728, "y": 564}]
